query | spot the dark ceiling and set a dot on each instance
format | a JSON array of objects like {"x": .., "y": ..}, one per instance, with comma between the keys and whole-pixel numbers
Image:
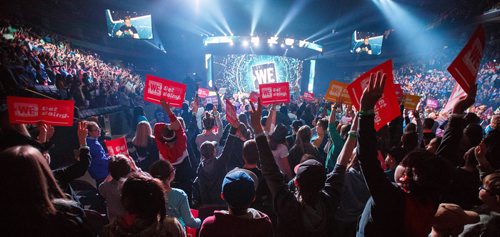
[{"x": 174, "y": 22}]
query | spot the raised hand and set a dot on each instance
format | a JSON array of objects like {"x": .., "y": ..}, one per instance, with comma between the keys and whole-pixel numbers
[
  {"x": 166, "y": 107},
  {"x": 50, "y": 132},
  {"x": 465, "y": 101},
  {"x": 43, "y": 130},
  {"x": 255, "y": 116},
  {"x": 82, "y": 133},
  {"x": 374, "y": 91},
  {"x": 480, "y": 153}
]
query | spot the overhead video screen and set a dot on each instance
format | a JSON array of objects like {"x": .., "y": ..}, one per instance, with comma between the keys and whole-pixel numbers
[
  {"x": 366, "y": 43},
  {"x": 129, "y": 24},
  {"x": 244, "y": 72}
]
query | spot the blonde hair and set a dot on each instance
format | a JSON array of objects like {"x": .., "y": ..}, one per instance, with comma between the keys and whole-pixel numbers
[{"x": 143, "y": 133}]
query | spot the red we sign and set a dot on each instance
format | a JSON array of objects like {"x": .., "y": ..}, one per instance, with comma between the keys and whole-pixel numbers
[
  {"x": 33, "y": 110},
  {"x": 158, "y": 88},
  {"x": 274, "y": 93},
  {"x": 466, "y": 65},
  {"x": 387, "y": 107},
  {"x": 117, "y": 146}
]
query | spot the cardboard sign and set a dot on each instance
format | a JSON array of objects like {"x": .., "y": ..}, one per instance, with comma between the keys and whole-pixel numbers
[
  {"x": 337, "y": 91},
  {"x": 230, "y": 113},
  {"x": 432, "y": 103},
  {"x": 158, "y": 88},
  {"x": 274, "y": 93},
  {"x": 254, "y": 96},
  {"x": 399, "y": 91},
  {"x": 466, "y": 65},
  {"x": 411, "y": 101},
  {"x": 454, "y": 97},
  {"x": 308, "y": 96},
  {"x": 33, "y": 110},
  {"x": 387, "y": 107},
  {"x": 202, "y": 92},
  {"x": 117, "y": 146}
]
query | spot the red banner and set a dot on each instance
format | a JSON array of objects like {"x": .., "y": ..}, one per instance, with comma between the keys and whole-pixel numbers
[
  {"x": 33, "y": 110},
  {"x": 466, "y": 65},
  {"x": 254, "y": 96},
  {"x": 308, "y": 96},
  {"x": 454, "y": 97},
  {"x": 432, "y": 103},
  {"x": 274, "y": 93},
  {"x": 202, "y": 92},
  {"x": 387, "y": 107},
  {"x": 158, "y": 88},
  {"x": 230, "y": 113},
  {"x": 117, "y": 146}
]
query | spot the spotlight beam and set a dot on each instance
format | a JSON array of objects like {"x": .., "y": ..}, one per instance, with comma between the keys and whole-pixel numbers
[
  {"x": 294, "y": 11},
  {"x": 258, "y": 6}
]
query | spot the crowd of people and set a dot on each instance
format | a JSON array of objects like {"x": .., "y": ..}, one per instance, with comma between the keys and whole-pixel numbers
[
  {"x": 305, "y": 168},
  {"x": 298, "y": 169},
  {"x": 37, "y": 58}
]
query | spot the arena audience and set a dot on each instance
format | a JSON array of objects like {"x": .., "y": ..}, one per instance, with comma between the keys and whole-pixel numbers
[{"x": 295, "y": 171}]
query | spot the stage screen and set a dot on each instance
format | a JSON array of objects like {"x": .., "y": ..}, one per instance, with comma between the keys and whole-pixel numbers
[
  {"x": 244, "y": 72},
  {"x": 366, "y": 43},
  {"x": 129, "y": 25}
]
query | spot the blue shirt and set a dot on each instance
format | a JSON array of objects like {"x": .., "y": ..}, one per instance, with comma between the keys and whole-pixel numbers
[
  {"x": 178, "y": 206},
  {"x": 99, "y": 164}
]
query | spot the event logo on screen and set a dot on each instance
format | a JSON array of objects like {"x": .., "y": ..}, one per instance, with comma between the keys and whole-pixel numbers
[{"x": 264, "y": 73}]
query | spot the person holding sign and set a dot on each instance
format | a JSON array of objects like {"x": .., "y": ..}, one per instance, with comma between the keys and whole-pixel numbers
[
  {"x": 407, "y": 209},
  {"x": 172, "y": 144}
]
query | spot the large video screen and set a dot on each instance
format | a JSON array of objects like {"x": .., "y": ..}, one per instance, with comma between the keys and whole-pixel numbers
[
  {"x": 244, "y": 72},
  {"x": 129, "y": 24},
  {"x": 366, "y": 43}
]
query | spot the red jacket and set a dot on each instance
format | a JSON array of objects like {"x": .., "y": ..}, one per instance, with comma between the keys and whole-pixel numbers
[
  {"x": 222, "y": 224},
  {"x": 172, "y": 154}
]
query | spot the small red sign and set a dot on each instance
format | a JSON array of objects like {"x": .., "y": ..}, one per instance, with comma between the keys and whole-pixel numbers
[
  {"x": 117, "y": 146},
  {"x": 202, "y": 92},
  {"x": 211, "y": 100},
  {"x": 399, "y": 91},
  {"x": 308, "y": 96},
  {"x": 387, "y": 107},
  {"x": 274, "y": 93},
  {"x": 254, "y": 96},
  {"x": 466, "y": 65},
  {"x": 432, "y": 103},
  {"x": 158, "y": 88},
  {"x": 33, "y": 110},
  {"x": 230, "y": 113}
]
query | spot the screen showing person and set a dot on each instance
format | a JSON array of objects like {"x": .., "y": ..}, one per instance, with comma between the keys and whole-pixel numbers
[
  {"x": 127, "y": 30},
  {"x": 365, "y": 47},
  {"x": 366, "y": 43},
  {"x": 129, "y": 25}
]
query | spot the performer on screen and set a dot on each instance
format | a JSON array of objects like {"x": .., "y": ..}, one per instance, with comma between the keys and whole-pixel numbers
[
  {"x": 127, "y": 30},
  {"x": 365, "y": 47}
]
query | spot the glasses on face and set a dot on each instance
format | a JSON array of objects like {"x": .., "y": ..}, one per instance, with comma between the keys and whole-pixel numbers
[{"x": 485, "y": 189}]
